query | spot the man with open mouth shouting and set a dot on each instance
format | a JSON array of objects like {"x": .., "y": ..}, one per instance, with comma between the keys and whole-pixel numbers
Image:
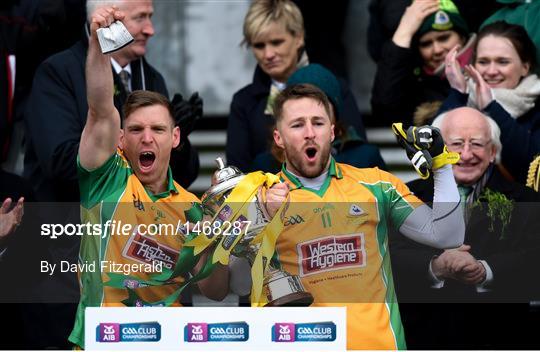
[
  {"x": 125, "y": 180},
  {"x": 337, "y": 243}
]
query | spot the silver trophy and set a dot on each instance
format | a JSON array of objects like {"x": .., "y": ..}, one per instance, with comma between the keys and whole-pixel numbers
[{"x": 280, "y": 287}]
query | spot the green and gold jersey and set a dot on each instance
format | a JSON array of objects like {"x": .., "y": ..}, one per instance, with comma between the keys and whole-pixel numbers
[
  {"x": 113, "y": 197},
  {"x": 335, "y": 240}
]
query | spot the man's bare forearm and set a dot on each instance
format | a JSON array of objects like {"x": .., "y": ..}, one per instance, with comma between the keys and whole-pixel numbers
[
  {"x": 100, "y": 135},
  {"x": 99, "y": 78}
]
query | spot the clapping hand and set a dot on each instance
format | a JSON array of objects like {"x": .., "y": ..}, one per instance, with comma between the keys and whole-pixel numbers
[
  {"x": 453, "y": 72},
  {"x": 482, "y": 89},
  {"x": 458, "y": 81}
]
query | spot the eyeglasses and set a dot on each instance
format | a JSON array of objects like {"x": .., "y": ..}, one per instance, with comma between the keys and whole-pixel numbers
[{"x": 474, "y": 145}]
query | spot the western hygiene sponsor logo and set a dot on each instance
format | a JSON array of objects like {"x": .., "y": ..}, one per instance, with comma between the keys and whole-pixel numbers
[
  {"x": 217, "y": 332},
  {"x": 132, "y": 332},
  {"x": 304, "y": 332}
]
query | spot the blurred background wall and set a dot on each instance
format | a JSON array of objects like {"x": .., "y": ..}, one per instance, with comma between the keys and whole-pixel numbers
[{"x": 197, "y": 48}]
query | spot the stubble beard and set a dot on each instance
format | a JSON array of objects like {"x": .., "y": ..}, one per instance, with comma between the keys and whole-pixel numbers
[{"x": 294, "y": 158}]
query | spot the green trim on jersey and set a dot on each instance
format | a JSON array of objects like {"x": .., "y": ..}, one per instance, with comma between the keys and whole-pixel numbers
[
  {"x": 101, "y": 191},
  {"x": 395, "y": 205},
  {"x": 107, "y": 182},
  {"x": 170, "y": 188},
  {"x": 92, "y": 192},
  {"x": 389, "y": 201},
  {"x": 297, "y": 184},
  {"x": 333, "y": 171}
]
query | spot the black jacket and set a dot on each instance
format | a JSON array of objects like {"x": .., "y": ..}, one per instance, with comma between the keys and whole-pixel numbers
[
  {"x": 56, "y": 116},
  {"x": 32, "y": 30},
  {"x": 400, "y": 86},
  {"x": 385, "y": 15},
  {"x": 512, "y": 255},
  {"x": 446, "y": 318},
  {"x": 249, "y": 130}
]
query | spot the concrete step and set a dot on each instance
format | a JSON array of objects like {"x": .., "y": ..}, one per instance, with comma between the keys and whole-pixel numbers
[
  {"x": 381, "y": 135},
  {"x": 208, "y": 158},
  {"x": 216, "y": 138}
]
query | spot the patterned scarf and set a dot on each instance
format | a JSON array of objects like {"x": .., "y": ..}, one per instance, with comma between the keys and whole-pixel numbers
[{"x": 517, "y": 101}]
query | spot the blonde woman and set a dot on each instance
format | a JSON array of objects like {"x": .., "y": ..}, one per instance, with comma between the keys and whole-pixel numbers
[{"x": 274, "y": 31}]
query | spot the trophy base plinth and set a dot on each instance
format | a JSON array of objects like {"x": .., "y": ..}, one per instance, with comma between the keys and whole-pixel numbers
[{"x": 295, "y": 299}]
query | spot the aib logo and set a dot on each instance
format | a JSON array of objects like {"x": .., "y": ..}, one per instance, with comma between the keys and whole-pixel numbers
[
  {"x": 196, "y": 332},
  {"x": 283, "y": 332},
  {"x": 109, "y": 332}
]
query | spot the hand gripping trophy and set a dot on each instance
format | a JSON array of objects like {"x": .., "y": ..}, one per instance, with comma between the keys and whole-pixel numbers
[{"x": 241, "y": 227}]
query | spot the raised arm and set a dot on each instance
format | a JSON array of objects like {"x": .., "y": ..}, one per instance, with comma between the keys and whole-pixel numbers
[
  {"x": 412, "y": 20},
  {"x": 443, "y": 226},
  {"x": 394, "y": 93},
  {"x": 100, "y": 135}
]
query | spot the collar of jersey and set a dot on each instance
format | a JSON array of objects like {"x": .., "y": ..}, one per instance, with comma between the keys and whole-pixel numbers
[
  {"x": 333, "y": 171},
  {"x": 171, "y": 188}
]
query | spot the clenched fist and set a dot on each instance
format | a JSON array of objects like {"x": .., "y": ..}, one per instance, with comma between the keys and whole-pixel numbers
[{"x": 275, "y": 196}]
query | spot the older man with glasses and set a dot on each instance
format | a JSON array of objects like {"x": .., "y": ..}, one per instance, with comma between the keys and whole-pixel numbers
[{"x": 496, "y": 263}]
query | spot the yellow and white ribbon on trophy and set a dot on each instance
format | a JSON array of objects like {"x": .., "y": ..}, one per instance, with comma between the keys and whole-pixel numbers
[{"x": 238, "y": 201}]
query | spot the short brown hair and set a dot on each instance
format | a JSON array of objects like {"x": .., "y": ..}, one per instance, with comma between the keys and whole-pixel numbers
[
  {"x": 142, "y": 98},
  {"x": 299, "y": 91},
  {"x": 261, "y": 13}
]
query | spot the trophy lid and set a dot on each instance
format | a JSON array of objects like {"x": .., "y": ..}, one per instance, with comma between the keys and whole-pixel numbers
[
  {"x": 225, "y": 178},
  {"x": 225, "y": 173}
]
